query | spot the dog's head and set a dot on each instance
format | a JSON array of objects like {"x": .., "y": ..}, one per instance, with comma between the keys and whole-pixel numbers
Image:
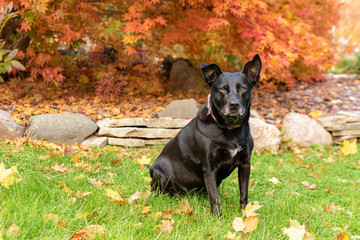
[{"x": 231, "y": 93}]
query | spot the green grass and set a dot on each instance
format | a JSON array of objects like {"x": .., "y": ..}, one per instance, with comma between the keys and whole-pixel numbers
[{"x": 39, "y": 193}]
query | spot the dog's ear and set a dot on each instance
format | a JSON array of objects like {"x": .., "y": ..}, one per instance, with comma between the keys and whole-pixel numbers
[
  {"x": 210, "y": 72},
  {"x": 252, "y": 69}
]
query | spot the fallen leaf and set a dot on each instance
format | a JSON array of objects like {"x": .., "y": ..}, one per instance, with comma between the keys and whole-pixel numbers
[
  {"x": 13, "y": 231},
  {"x": 75, "y": 158},
  {"x": 295, "y": 231},
  {"x": 143, "y": 161},
  {"x": 271, "y": 192},
  {"x": 342, "y": 236},
  {"x": 250, "y": 224},
  {"x": 135, "y": 196},
  {"x": 41, "y": 157},
  {"x": 294, "y": 193},
  {"x": 50, "y": 217},
  {"x": 114, "y": 196},
  {"x": 146, "y": 210},
  {"x": 230, "y": 236},
  {"x": 315, "y": 114},
  {"x": 238, "y": 224},
  {"x": 147, "y": 179},
  {"x": 60, "y": 168},
  {"x": 95, "y": 182},
  {"x": 61, "y": 224},
  {"x": 308, "y": 185},
  {"x": 82, "y": 194},
  {"x": 274, "y": 180},
  {"x": 250, "y": 209},
  {"x": 184, "y": 208},
  {"x": 349, "y": 148},
  {"x": 328, "y": 160},
  {"x": 166, "y": 226},
  {"x": 88, "y": 232},
  {"x": 7, "y": 177}
]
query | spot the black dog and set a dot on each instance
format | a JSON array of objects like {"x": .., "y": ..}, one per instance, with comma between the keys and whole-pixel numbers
[{"x": 215, "y": 142}]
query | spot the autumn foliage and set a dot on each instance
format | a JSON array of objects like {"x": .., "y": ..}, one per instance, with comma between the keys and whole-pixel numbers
[{"x": 117, "y": 43}]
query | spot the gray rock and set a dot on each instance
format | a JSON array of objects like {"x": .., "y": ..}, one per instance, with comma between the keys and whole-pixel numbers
[
  {"x": 95, "y": 141},
  {"x": 304, "y": 131},
  {"x": 144, "y": 122},
  {"x": 186, "y": 108},
  {"x": 67, "y": 127},
  {"x": 131, "y": 132},
  {"x": 255, "y": 114},
  {"x": 265, "y": 135},
  {"x": 9, "y": 129},
  {"x": 184, "y": 77}
]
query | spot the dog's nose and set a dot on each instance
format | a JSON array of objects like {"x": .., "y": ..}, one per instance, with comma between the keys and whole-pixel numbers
[{"x": 234, "y": 104}]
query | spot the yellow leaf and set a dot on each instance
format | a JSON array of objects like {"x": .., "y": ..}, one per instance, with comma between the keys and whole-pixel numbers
[
  {"x": 238, "y": 224},
  {"x": 75, "y": 158},
  {"x": 342, "y": 236},
  {"x": 113, "y": 194},
  {"x": 349, "y": 148},
  {"x": 315, "y": 114},
  {"x": 251, "y": 224},
  {"x": 146, "y": 210},
  {"x": 295, "y": 231},
  {"x": 250, "y": 209},
  {"x": 143, "y": 161},
  {"x": 7, "y": 177}
]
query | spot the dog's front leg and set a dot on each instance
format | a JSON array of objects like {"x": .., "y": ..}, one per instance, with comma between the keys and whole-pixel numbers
[
  {"x": 244, "y": 175},
  {"x": 210, "y": 183}
]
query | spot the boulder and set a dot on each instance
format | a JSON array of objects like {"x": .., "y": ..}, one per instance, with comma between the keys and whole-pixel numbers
[
  {"x": 95, "y": 141},
  {"x": 265, "y": 135},
  {"x": 186, "y": 108},
  {"x": 304, "y": 131},
  {"x": 67, "y": 127},
  {"x": 184, "y": 77},
  {"x": 9, "y": 129}
]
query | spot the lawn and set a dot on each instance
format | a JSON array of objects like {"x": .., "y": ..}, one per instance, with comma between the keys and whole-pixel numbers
[{"x": 64, "y": 189}]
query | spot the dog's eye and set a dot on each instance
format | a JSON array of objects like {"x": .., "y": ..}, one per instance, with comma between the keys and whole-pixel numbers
[{"x": 243, "y": 89}]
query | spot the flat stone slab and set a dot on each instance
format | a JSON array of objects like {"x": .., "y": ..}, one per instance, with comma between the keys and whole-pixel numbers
[
  {"x": 341, "y": 118},
  {"x": 144, "y": 122},
  {"x": 352, "y": 133},
  {"x": 131, "y": 132},
  {"x": 95, "y": 141},
  {"x": 344, "y": 126},
  {"x": 135, "y": 142},
  {"x": 126, "y": 142}
]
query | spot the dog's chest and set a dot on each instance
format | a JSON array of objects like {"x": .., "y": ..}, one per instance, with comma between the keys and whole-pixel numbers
[{"x": 233, "y": 151}]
